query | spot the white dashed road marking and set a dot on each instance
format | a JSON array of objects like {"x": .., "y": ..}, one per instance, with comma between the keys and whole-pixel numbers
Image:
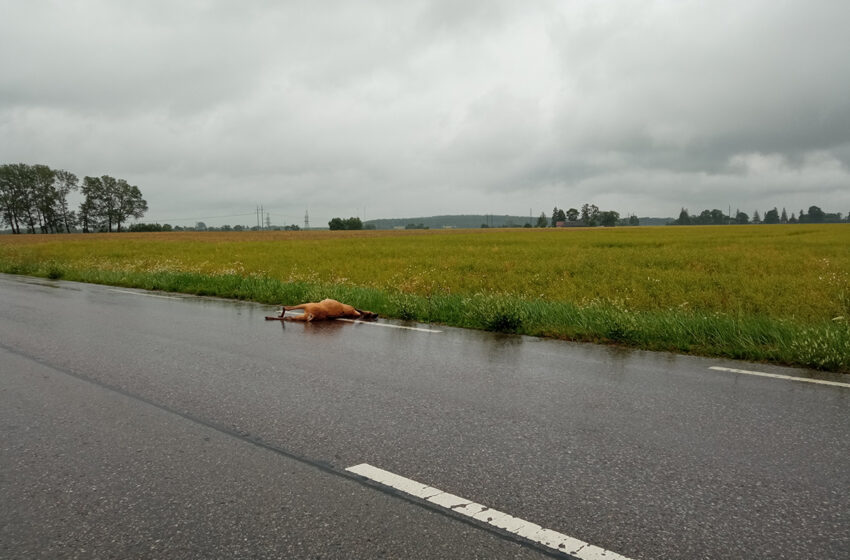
[
  {"x": 778, "y": 376},
  {"x": 389, "y": 326},
  {"x": 144, "y": 294},
  {"x": 509, "y": 523}
]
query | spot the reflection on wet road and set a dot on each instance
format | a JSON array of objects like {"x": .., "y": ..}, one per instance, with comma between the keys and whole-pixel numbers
[{"x": 649, "y": 455}]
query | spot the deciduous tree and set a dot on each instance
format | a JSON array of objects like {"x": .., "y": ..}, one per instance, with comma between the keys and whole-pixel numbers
[
  {"x": 771, "y": 216},
  {"x": 590, "y": 215}
]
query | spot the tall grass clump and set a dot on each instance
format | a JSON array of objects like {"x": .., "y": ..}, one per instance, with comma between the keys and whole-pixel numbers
[
  {"x": 825, "y": 347},
  {"x": 498, "y": 313}
]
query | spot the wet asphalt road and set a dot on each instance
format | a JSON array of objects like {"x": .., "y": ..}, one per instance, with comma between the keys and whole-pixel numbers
[{"x": 140, "y": 426}]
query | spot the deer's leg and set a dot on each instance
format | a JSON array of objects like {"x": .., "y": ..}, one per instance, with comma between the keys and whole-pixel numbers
[
  {"x": 366, "y": 314},
  {"x": 304, "y": 317}
]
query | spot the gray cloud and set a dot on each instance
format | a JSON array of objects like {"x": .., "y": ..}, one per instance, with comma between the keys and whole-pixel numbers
[{"x": 419, "y": 108}]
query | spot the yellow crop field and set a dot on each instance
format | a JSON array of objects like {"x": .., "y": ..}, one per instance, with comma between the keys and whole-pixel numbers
[
  {"x": 797, "y": 275},
  {"x": 800, "y": 272}
]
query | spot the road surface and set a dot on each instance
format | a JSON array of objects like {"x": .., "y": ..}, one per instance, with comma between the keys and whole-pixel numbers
[{"x": 138, "y": 424}]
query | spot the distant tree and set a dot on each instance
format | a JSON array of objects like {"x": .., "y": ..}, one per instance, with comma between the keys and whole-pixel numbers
[
  {"x": 816, "y": 215},
  {"x": 238, "y": 227},
  {"x": 742, "y": 218},
  {"x": 109, "y": 202},
  {"x": 792, "y": 219},
  {"x": 572, "y": 215},
  {"x": 87, "y": 214},
  {"x": 558, "y": 216},
  {"x": 542, "y": 221},
  {"x": 704, "y": 218},
  {"x": 634, "y": 220},
  {"x": 608, "y": 218},
  {"x": 718, "y": 218},
  {"x": 65, "y": 183},
  {"x": 756, "y": 217},
  {"x": 771, "y": 216},
  {"x": 484, "y": 226},
  {"x": 349, "y": 223},
  {"x": 526, "y": 225},
  {"x": 783, "y": 219},
  {"x": 149, "y": 227},
  {"x": 106, "y": 201},
  {"x": 43, "y": 199},
  {"x": 128, "y": 202},
  {"x": 200, "y": 226},
  {"x": 91, "y": 213},
  {"x": 353, "y": 223},
  {"x": 590, "y": 215},
  {"x": 37, "y": 180},
  {"x": 684, "y": 219},
  {"x": 15, "y": 186},
  {"x": 36, "y": 197}
]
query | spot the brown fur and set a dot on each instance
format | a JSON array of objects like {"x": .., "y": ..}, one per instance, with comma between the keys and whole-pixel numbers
[{"x": 325, "y": 309}]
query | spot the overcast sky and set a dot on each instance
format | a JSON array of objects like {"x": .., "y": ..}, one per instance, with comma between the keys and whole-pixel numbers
[{"x": 407, "y": 108}]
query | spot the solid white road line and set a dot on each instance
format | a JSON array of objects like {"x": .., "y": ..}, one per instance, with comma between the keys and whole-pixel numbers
[
  {"x": 509, "y": 523},
  {"x": 389, "y": 326},
  {"x": 144, "y": 294},
  {"x": 778, "y": 376}
]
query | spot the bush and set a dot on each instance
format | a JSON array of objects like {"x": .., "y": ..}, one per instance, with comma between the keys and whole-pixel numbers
[
  {"x": 498, "y": 313},
  {"x": 54, "y": 272}
]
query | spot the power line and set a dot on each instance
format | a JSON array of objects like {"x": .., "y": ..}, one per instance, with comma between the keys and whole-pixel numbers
[
  {"x": 199, "y": 218},
  {"x": 260, "y": 213}
]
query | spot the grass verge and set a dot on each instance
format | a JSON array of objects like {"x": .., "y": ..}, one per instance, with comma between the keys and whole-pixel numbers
[{"x": 823, "y": 345}]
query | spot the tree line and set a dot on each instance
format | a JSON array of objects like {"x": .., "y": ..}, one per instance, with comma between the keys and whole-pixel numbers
[
  {"x": 716, "y": 217},
  {"x": 589, "y": 216},
  {"x": 348, "y": 224},
  {"x": 34, "y": 199}
]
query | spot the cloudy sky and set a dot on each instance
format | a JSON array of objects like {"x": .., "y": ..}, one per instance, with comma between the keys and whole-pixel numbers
[{"x": 402, "y": 109}]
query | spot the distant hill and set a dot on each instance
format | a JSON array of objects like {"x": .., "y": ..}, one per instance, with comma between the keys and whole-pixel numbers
[
  {"x": 476, "y": 220},
  {"x": 462, "y": 221}
]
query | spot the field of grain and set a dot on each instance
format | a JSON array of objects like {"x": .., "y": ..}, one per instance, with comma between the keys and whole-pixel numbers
[{"x": 775, "y": 293}]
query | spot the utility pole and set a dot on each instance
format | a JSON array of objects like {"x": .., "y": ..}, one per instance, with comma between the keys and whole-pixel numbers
[
  {"x": 268, "y": 221},
  {"x": 306, "y": 220}
]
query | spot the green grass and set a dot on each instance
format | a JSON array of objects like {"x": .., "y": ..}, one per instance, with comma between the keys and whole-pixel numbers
[{"x": 773, "y": 294}]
